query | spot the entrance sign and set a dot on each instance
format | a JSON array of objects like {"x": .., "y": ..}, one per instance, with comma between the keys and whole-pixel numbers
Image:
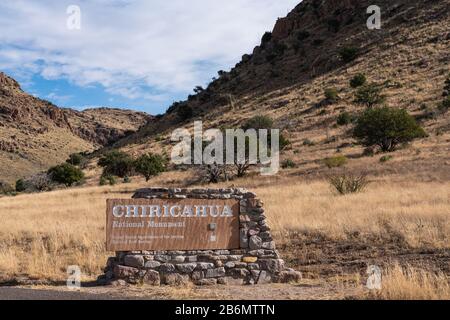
[{"x": 172, "y": 224}]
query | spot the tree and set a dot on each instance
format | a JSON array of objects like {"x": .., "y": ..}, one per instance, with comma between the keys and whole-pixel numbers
[
  {"x": 358, "y": 80},
  {"x": 348, "y": 54},
  {"x": 370, "y": 95},
  {"x": 116, "y": 163},
  {"x": 150, "y": 165},
  {"x": 198, "y": 89},
  {"x": 344, "y": 119},
  {"x": 21, "y": 185},
  {"x": 75, "y": 159},
  {"x": 66, "y": 174},
  {"x": 387, "y": 128},
  {"x": 185, "y": 112}
]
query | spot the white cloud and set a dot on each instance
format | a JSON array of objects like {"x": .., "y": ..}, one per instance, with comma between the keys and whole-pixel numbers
[{"x": 134, "y": 48}]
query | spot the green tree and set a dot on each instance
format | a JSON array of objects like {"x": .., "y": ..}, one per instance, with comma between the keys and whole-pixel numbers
[
  {"x": 150, "y": 165},
  {"x": 348, "y": 54},
  {"x": 21, "y": 185},
  {"x": 75, "y": 159},
  {"x": 387, "y": 128},
  {"x": 370, "y": 95},
  {"x": 66, "y": 174},
  {"x": 358, "y": 80},
  {"x": 116, "y": 163}
]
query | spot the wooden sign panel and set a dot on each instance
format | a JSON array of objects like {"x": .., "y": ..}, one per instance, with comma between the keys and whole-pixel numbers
[{"x": 172, "y": 224}]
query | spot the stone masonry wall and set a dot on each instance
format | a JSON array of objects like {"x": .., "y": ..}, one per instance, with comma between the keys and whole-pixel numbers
[{"x": 256, "y": 262}]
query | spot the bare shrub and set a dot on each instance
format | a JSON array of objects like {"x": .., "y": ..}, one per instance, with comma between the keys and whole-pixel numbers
[
  {"x": 214, "y": 173},
  {"x": 40, "y": 183},
  {"x": 348, "y": 183}
]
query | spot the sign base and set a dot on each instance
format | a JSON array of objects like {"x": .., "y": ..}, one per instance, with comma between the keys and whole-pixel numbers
[{"x": 256, "y": 261}]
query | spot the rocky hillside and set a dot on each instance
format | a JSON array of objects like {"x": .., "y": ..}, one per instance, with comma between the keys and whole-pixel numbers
[
  {"x": 285, "y": 78},
  {"x": 35, "y": 134}
]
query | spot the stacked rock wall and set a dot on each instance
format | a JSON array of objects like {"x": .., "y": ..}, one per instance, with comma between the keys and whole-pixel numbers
[{"x": 256, "y": 261}]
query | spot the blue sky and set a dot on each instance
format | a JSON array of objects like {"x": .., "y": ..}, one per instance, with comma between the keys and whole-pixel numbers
[{"x": 137, "y": 54}]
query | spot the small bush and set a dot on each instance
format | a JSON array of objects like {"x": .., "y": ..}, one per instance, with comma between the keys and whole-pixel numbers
[
  {"x": 336, "y": 162},
  {"x": 40, "y": 182},
  {"x": 108, "y": 180},
  {"x": 358, "y": 80},
  {"x": 75, "y": 159},
  {"x": 387, "y": 128},
  {"x": 308, "y": 143},
  {"x": 288, "y": 164},
  {"x": 331, "y": 94},
  {"x": 445, "y": 105},
  {"x": 368, "y": 152},
  {"x": 127, "y": 179},
  {"x": 370, "y": 95},
  {"x": 214, "y": 173},
  {"x": 185, "y": 112},
  {"x": 347, "y": 183},
  {"x": 348, "y": 54},
  {"x": 150, "y": 165},
  {"x": 259, "y": 122},
  {"x": 344, "y": 119},
  {"x": 6, "y": 188},
  {"x": 284, "y": 142},
  {"x": 384, "y": 159},
  {"x": 116, "y": 163},
  {"x": 66, "y": 174},
  {"x": 447, "y": 87},
  {"x": 21, "y": 185}
]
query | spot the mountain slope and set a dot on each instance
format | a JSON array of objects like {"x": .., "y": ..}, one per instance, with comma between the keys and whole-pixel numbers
[
  {"x": 35, "y": 134},
  {"x": 286, "y": 75}
]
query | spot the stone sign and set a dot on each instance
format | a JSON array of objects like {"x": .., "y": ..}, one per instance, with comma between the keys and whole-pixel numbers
[{"x": 205, "y": 236}]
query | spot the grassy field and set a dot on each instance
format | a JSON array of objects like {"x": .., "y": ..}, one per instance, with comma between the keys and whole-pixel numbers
[{"x": 42, "y": 234}]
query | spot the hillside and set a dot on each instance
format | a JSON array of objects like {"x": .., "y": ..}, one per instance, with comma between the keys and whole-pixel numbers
[
  {"x": 285, "y": 78},
  {"x": 35, "y": 134}
]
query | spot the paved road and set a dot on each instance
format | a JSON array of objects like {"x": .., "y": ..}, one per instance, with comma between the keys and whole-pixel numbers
[{"x": 9, "y": 293}]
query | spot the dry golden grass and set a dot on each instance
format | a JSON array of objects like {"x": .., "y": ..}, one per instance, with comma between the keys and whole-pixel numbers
[
  {"x": 408, "y": 283},
  {"x": 42, "y": 234}
]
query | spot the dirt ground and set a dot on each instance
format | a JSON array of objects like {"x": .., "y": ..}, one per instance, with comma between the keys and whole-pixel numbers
[{"x": 306, "y": 290}]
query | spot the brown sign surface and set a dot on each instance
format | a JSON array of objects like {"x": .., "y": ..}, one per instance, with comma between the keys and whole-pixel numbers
[{"x": 172, "y": 224}]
